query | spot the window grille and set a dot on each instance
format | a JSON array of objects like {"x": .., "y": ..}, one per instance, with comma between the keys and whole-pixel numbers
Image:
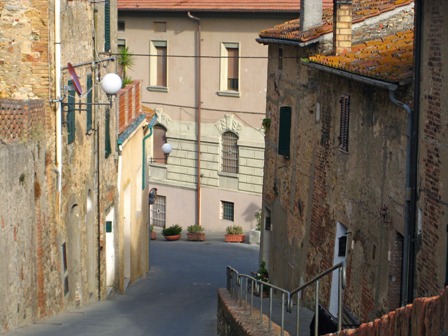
[
  {"x": 230, "y": 153},
  {"x": 71, "y": 113},
  {"x": 227, "y": 210},
  {"x": 284, "y": 133},
  {"x": 345, "y": 122},
  {"x": 158, "y": 214}
]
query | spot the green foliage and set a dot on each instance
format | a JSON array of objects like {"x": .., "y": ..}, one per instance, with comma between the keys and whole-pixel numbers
[
  {"x": 195, "y": 228},
  {"x": 234, "y": 229},
  {"x": 266, "y": 124},
  {"x": 173, "y": 230},
  {"x": 151, "y": 228},
  {"x": 126, "y": 61},
  {"x": 262, "y": 273}
]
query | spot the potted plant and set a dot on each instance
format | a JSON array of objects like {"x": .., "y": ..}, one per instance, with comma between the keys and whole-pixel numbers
[
  {"x": 234, "y": 234},
  {"x": 172, "y": 233},
  {"x": 195, "y": 233},
  {"x": 255, "y": 234},
  {"x": 262, "y": 275},
  {"x": 152, "y": 232}
]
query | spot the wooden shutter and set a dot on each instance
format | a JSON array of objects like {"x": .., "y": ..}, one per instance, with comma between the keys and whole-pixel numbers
[
  {"x": 107, "y": 144},
  {"x": 345, "y": 123},
  {"x": 107, "y": 46},
  {"x": 89, "y": 103},
  {"x": 71, "y": 113},
  {"x": 284, "y": 133}
]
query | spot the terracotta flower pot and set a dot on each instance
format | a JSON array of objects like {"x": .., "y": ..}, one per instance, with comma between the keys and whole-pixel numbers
[
  {"x": 235, "y": 238},
  {"x": 171, "y": 238},
  {"x": 196, "y": 236},
  {"x": 153, "y": 235}
]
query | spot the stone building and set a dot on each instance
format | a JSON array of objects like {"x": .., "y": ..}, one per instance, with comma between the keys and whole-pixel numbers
[
  {"x": 431, "y": 248},
  {"x": 205, "y": 77},
  {"x": 59, "y": 167},
  {"x": 339, "y": 101}
]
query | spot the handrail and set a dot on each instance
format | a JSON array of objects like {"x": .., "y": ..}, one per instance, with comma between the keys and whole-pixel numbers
[{"x": 287, "y": 301}]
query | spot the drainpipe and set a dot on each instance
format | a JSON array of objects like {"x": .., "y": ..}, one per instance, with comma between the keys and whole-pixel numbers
[
  {"x": 57, "y": 55},
  {"x": 150, "y": 125},
  {"x": 198, "y": 98}
]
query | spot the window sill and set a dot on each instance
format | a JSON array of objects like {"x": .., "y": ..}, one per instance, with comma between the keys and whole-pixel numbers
[
  {"x": 234, "y": 175},
  {"x": 157, "y": 88},
  {"x": 228, "y": 94}
]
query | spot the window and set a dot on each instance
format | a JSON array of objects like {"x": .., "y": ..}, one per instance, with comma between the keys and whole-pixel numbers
[
  {"x": 159, "y": 139},
  {"x": 284, "y": 132},
  {"x": 89, "y": 102},
  {"x": 121, "y": 25},
  {"x": 64, "y": 267},
  {"x": 107, "y": 145},
  {"x": 345, "y": 122},
  {"x": 159, "y": 211},
  {"x": 158, "y": 72},
  {"x": 267, "y": 219},
  {"x": 107, "y": 46},
  {"x": 230, "y": 153},
  {"x": 121, "y": 43},
  {"x": 342, "y": 246},
  {"x": 227, "y": 210},
  {"x": 71, "y": 113},
  {"x": 230, "y": 64}
]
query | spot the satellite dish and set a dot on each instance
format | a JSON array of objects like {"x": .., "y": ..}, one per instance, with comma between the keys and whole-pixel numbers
[{"x": 75, "y": 78}]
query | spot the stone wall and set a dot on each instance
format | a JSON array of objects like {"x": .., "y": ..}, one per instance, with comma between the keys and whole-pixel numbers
[
  {"x": 425, "y": 317},
  {"x": 234, "y": 320}
]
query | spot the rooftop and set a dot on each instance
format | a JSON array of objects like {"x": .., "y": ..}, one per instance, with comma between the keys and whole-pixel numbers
[
  {"x": 272, "y": 6},
  {"x": 388, "y": 59},
  {"x": 362, "y": 10}
]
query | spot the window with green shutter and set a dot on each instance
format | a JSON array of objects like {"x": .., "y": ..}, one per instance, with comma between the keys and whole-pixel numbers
[
  {"x": 284, "y": 133},
  {"x": 107, "y": 46},
  {"x": 344, "y": 123},
  {"x": 89, "y": 103},
  {"x": 107, "y": 146},
  {"x": 71, "y": 112}
]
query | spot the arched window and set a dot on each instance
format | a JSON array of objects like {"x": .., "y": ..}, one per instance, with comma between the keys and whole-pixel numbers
[
  {"x": 159, "y": 140},
  {"x": 230, "y": 152}
]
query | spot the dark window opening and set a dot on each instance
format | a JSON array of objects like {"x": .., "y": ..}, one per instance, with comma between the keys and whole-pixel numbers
[
  {"x": 345, "y": 123},
  {"x": 228, "y": 211},
  {"x": 284, "y": 136}
]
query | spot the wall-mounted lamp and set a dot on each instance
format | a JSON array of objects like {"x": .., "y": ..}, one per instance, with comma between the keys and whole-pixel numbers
[
  {"x": 166, "y": 149},
  {"x": 111, "y": 83}
]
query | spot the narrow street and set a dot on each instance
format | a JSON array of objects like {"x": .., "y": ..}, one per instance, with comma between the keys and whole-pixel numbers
[{"x": 178, "y": 297}]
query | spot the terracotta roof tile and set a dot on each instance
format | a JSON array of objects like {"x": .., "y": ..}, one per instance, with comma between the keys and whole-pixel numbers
[
  {"x": 211, "y": 5},
  {"x": 389, "y": 58},
  {"x": 362, "y": 10}
]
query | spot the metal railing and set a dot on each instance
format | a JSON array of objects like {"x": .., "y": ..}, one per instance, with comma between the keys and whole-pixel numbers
[{"x": 241, "y": 286}]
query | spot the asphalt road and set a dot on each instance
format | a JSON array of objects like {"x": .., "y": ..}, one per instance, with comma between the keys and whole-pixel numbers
[{"x": 177, "y": 298}]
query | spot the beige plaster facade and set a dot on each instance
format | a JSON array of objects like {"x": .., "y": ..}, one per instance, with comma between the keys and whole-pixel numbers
[{"x": 194, "y": 91}]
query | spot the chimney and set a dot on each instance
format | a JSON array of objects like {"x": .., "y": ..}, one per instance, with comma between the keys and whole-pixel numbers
[
  {"x": 342, "y": 26},
  {"x": 310, "y": 14}
]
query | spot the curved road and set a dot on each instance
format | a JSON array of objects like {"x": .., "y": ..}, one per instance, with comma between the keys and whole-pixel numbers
[{"x": 177, "y": 298}]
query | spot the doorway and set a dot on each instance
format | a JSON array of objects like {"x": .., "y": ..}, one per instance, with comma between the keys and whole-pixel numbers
[{"x": 340, "y": 252}]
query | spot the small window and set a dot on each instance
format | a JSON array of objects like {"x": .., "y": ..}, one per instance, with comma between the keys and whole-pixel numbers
[
  {"x": 230, "y": 152},
  {"x": 284, "y": 132},
  {"x": 342, "y": 246},
  {"x": 345, "y": 123},
  {"x": 65, "y": 267},
  {"x": 158, "y": 212},
  {"x": 121, "y": 25},
  {"x": 159, "y": 139},
  {"x": 121, "y": 43},
  {"x": 267, "y": 219},
  {"x": 158, "y": 67},
  {"x": 230, "y": 67},
  {"x": 227, "y": 210}
]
